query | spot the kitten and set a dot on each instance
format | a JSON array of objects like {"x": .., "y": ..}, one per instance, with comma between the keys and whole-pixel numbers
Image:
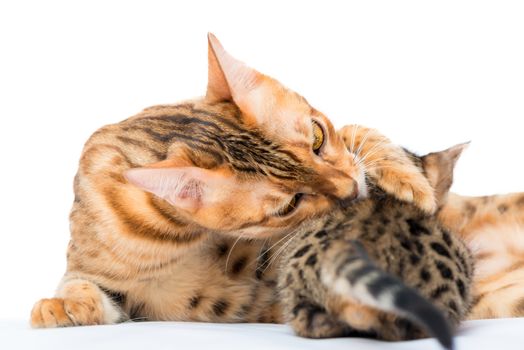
[
  {"x": 491, "y": 226},
  {"x": 178, "y": 209},
  {"x": 380, "y": 267}
]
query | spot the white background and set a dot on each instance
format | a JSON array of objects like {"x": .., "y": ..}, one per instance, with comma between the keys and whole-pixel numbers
[{"x": 428, "y": 74}]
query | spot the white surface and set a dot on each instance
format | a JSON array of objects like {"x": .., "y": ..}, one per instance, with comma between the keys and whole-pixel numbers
[
  {"x": 427, "y": 73},
  {"x": 503, "y": 334}
]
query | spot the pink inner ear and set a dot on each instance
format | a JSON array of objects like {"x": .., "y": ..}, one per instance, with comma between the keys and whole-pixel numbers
[
  {"x": 181, "y": 187},
  {"x": 192, "y": 189}
]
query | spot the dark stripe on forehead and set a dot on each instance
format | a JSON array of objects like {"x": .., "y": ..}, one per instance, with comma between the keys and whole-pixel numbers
[
  {"x": 247, "y": 150},
  {"x": 141, "y": 144}
]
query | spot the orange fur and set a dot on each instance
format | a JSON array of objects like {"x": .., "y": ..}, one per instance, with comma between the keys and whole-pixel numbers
[
  {"x": 493, "y": 227},
  {"x": 389, "y": 166},
  {"x": 177, "y": 209},
  {"x": 208, "y": 253}
]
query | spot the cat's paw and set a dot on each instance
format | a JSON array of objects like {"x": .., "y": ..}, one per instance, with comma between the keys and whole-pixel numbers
[
  {"x": 389, "y": 166},
  {"x": 57, "y": 312},
  {"x": 312, "y": 321},
  {"x": 409, "y": 186}
]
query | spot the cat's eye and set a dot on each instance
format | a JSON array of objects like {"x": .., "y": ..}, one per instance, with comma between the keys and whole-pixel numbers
[
  {"x": 318, "y": 137},
  {"x": 291, "y": 206}
]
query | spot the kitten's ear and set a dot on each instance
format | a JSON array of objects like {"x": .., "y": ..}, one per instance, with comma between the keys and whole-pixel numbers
[
  {"x": 187, "y": 188},
  {"x": 439, "y": 166},
  {"x": 232, "y": 80}
]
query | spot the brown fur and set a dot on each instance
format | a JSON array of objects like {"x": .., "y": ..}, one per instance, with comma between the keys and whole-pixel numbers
[
  {"x": 330, "y": 288},
  {"x": 389, "y": 166},
  {"x": 176, "y": 211},
  {"x": 492, "y": 227}
]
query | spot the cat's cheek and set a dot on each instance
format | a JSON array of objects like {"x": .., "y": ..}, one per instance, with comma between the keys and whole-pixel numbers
[{"x": 313, "y": 204}]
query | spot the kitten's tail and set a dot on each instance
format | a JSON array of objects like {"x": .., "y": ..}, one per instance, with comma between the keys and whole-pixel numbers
[{"x": 353, "y": 273}]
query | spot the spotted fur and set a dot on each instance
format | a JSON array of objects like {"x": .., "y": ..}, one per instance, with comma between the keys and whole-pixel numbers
[
  {"x": 381, "y": 267},
  {"x": 492, "y": 226}
]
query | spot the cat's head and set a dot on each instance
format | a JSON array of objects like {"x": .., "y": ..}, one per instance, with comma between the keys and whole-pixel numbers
[
  {"x": 436, "y": 168},
  {"x": 281, "y": 160}
]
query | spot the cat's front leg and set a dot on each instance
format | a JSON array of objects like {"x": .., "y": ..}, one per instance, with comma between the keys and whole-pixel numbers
[
  {"x": 78, "y": 302},
  {"x": 389, "y": 166}
]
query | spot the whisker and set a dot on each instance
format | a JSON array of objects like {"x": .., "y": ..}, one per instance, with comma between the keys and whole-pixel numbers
[
  {"x": 374, "y": 164},
  {"x": 353, "y": 136},
  {"x": 274, "y": 245},
  {"x": 260, "y": 254},
  {"x": 373, "y": 150},
  {"x": 135, "y": 319},
  {"x": 362, "y": 142},
  {"x": 381, "y": 167},
  {"x": 274, "y": 257},
  {"x": 231, "y": 251}
]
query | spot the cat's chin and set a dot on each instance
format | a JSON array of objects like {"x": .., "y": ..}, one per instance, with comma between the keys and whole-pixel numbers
[
  {"x": 362, "y": 185},
  {"x": 363, "y": 191}
]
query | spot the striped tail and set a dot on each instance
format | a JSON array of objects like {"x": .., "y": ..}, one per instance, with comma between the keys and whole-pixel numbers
[{"x": 353, "y": 273}]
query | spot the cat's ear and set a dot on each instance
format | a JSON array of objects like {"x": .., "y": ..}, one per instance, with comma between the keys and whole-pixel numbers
[
  {"x": 232, "y": 80},
  {"x": 439, "y": 166},
  {"x": 217, "y": 86},
  {"x": 228, "y": 78},
  {"x": 187, "y": 188}
]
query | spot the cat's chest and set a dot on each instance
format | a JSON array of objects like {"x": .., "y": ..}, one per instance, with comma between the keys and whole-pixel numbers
[{"x": 223, "y": 281}]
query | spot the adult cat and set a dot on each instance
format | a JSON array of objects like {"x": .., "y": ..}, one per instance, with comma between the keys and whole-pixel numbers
[{"x": 162, "y": 198}]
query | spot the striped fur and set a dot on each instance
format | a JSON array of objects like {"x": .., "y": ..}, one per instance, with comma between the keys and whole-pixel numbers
[
  {"x": 178, "y": 211},
  {"x": 381, "y": 268},
  {"x": 354, "y": 273}
]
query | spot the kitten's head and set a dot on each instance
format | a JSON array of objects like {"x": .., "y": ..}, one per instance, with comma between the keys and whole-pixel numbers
[
  {"x": 438, "y": 168},
  {"x": 282, "y": 160}
]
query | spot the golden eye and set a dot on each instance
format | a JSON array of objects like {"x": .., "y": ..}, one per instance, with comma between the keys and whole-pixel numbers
[
  {"x": 318, "y": 137},
  {"x": 291, "y": 206}
]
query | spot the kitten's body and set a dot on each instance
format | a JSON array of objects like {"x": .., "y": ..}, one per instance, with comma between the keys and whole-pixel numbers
[
  {"x": 336, "y": 276},
  {"x": 491, "y": 226}
]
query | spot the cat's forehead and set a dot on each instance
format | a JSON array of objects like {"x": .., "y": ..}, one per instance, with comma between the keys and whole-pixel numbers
[{"x": 252, "y": 151}]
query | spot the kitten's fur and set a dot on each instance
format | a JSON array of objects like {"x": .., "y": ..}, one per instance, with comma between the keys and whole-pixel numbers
[
  {"x": 491, "y": 226},
  {"x": 162, "y": 198},
  {"x": 379, "y": 268}
]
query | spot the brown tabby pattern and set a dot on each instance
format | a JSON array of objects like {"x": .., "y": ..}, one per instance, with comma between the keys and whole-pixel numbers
[
  {"x": 378, "y": 268},
  {"x": 180, "y": 211},
  {"x": 491, "y": 226}
]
